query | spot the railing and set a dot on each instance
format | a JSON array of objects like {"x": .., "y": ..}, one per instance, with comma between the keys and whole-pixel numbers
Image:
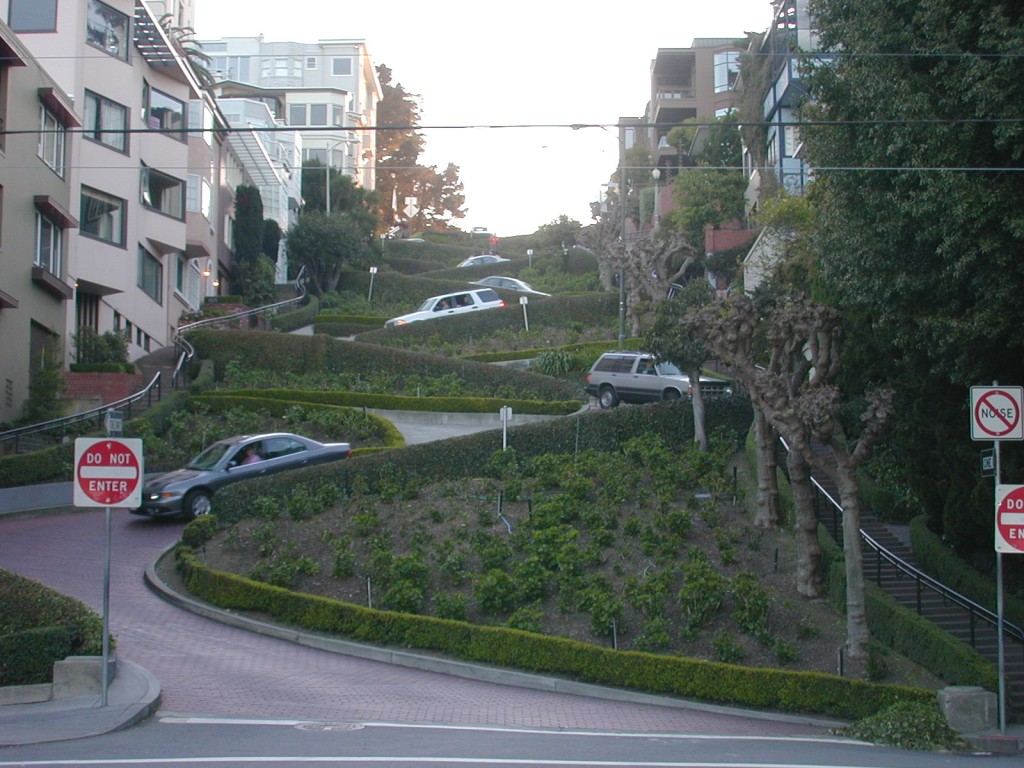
[
  {"x": 188, "y": 351},
  {"x": 186, "y": 354},
  {"x": 95, "y": 414},
  {"x": 923, "y": 582}
]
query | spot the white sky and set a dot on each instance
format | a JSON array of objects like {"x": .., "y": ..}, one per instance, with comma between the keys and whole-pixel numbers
[{"x": 531, "y": 62}]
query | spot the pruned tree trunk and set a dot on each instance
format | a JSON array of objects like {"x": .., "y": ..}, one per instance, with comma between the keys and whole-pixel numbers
[
  {"x": 765, "y": 440},
  {"x": 700, "y": 436},
  {"x": 810, "y": 581},
  {"x": 857, "y": 633}
]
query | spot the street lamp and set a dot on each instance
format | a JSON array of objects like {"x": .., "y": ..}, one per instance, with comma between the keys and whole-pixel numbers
[
  {"x": 656, "y": 175},
  {"x": 529, "y": 255}
]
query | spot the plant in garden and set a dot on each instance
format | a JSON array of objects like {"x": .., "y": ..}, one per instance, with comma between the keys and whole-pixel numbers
[
  {"x": 495, "y": 592},
  {"x": 703, "y": 591},
  {"x": 751, "y": 604},
  {"x": 725, "y": 647}
]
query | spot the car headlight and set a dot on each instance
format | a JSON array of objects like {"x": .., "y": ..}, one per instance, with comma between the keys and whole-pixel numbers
[{"x": 162, "y": 496}]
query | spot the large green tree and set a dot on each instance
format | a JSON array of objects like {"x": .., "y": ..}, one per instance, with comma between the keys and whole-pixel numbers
[
  {"x": 922, "y": 223},
  {"x": 327, "y": 244}
]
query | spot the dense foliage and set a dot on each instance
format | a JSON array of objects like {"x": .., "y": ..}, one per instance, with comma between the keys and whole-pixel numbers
[{"x": 922, "y": 224}]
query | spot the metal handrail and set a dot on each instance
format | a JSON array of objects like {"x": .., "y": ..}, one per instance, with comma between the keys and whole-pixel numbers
[
  {"x": 922, "y": 579},
  {"x": 188, "y": 351},
  {"x": 94, "y": 413}
]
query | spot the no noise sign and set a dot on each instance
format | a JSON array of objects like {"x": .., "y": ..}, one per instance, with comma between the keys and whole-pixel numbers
[
  {"x": 995, "y": 413},
  {"x": 108, "y": 472},
  {"x": 1010, "y": 518}
]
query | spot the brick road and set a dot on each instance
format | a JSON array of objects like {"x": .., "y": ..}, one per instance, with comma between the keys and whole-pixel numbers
[{"x": 206, "y": 668}]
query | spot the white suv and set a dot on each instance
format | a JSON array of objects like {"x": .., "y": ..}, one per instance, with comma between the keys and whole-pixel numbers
[
  {"x": 450, "y": 304},
  {"x": 636, "y": 377}
]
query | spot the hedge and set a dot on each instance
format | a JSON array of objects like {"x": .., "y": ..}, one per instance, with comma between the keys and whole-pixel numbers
[
  {"x": 320, "y": 354},
  {"x": 39, "y": 626},
  {"x": 779, "y": 690},
  {"x": 399, "y": 402}
]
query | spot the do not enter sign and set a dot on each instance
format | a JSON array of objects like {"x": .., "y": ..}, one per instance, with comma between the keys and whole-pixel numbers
[
  {"x": 108, "y": 472},
  {"x": 1010, "y": 518}
]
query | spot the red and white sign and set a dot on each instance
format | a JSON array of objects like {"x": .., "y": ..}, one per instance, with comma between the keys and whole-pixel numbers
[
  {"x": 995, "y": 413},
  {"x": 1010, "y": 518},
  {"x": 108, "y": 472}
]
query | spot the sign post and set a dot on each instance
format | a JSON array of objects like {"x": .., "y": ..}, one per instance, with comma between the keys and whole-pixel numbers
[
  {"x": 996, "y": 416},
  {"x": 108, "y": 472}
]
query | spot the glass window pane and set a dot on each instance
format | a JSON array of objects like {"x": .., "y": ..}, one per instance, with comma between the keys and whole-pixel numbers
[
  {"x": 107, "y": 29},
  {"x": 33, "y": 15}
]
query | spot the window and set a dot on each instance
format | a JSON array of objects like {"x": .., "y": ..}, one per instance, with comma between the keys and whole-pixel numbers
[
  {"x": 318, "y": 114},
  {"x": 163, "y": 113},
  {"x": 311, "y": 62},
  {"x": 296, "y": 114},
  {"x": 282, "y": 66},
  {"x": 52, "y": 136},
  {"x": 151, "y": 276},
  {"x": 791, "y": 137},
  {"x": 106, "y": 121},
  {"x": 199, "y": 195},
  {"x": 107, "y": 29},
  {"x": 200, "y": 121},
  {"x": 102, "y": 216},
  {"x": 341, "y": 66},
  {"x": 187, "y": 279},
  {"x": 33, "y": 15},
  {"x": 49, "y": 245},
  {"x": 229, "y": 67},
  {"x": 163, "y": 193},
  {"x": 727, "y": 70},
  {"x": 337, "y": 116}
]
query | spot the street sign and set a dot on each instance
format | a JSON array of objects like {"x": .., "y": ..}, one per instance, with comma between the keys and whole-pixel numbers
[
  {"x": 1010, "y": 518},
  {"x": 410, "y": 209},
  {"x": 108, "y": 472},
  {"x": 995, "y": 413},
  {"x": 988, "y": 462},
  {"x": 114, "y": 423}
]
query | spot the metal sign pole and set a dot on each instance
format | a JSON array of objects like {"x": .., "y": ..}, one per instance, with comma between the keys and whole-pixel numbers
[
  {"x": 999, "y": 608},
  {"x": 105, "y": 663}
]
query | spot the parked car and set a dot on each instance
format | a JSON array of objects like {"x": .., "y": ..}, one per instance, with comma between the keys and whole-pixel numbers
[
  {"x": 636, "y": 377},
  {"x": 510, "y": 283},
  {"x": 186, "y": 492},
  {"x": 483, "y": 258},
  {"x": 450, "y": 304}
]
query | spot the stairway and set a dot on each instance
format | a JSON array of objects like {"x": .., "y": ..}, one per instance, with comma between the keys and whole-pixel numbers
[{"x": 929, "y": 604}]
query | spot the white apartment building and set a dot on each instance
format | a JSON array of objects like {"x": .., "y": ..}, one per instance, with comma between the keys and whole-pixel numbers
[{"x": 328, "y": 91}]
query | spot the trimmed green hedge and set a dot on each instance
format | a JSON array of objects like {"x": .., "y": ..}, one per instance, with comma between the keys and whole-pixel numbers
[
  {"x": 400, "y": 402},
  {"x": 779, "y": 690},
  {"x": 320, "y": 354},
  {"x": 39, "y": 626}
]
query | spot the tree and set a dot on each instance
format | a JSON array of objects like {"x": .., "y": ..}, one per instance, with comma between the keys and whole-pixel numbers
[
  {"x": 922, "y": 228},
  {"x": 668, "y": 338},
  {"x": 184, "y": 41},
  {"x": 439, "y": 195},
  {"x": 252, "y": 279},
  {"x": 796, "y": 391},
  {"x": 327, "y": 244}
]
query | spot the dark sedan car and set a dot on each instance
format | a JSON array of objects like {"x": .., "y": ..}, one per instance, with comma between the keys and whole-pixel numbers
[{"x": 186, "y": 492}]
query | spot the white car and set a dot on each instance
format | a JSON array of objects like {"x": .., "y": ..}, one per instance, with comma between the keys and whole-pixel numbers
[
  {"x": 483, "y": 258},
  {"x": 509, "y": 283},
  {"x": 450, "y": 304}
]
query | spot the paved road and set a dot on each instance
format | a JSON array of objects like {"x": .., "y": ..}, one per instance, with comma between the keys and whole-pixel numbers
[{"x": 206, "y": 668}]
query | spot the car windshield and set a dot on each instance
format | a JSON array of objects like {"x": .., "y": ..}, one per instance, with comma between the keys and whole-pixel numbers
[
  {"x": 668, "y": 369},
  {"x": 209, "y": 458},
  {"x": 428, "y": 304}
]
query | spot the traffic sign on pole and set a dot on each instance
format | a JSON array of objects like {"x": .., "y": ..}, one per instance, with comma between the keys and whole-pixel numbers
[
  {"x": 996, "y": 413},
  {"x": 1010, "y": 518},
  {"x": 108, "y": 472}
]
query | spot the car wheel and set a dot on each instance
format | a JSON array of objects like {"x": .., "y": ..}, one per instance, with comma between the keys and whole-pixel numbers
[
  {"x": 607, "y": 398},
  {"x": 196, "y": 504},
  {"x": 670, "y": 395}
]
